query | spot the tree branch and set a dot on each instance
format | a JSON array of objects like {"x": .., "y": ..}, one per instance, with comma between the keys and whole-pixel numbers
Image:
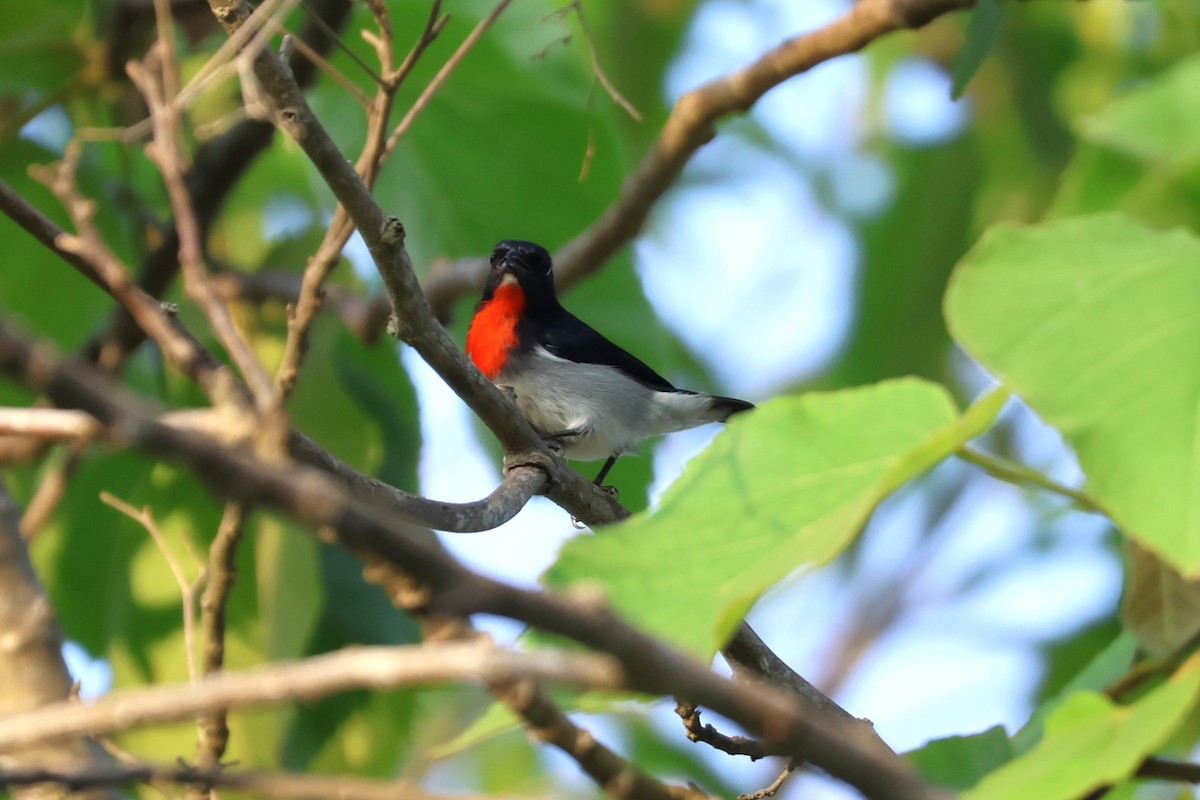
[
  {"x": 33, "y": 674},
  {"x": 450, "y": 589},
  {"x": 217, "y": 167},
  {"x": 274, "y": 785},
  {"x": 378, "y": 668},
  {"x": 212, "y": 729}
]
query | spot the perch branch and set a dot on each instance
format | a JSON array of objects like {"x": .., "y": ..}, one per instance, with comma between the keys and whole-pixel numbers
[{"x": 452, "y": 590}]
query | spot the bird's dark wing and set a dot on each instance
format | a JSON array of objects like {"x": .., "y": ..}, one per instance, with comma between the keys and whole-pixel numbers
[{"x": 571, "y": 338}]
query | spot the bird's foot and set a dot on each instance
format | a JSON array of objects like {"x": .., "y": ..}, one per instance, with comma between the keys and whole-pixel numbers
[
  {"x": 609, "y": 490},
  {"x": 557, "y": 441}
]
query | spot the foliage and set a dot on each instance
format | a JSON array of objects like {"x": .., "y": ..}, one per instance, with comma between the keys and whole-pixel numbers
[{"x": 1054, "y": 243}]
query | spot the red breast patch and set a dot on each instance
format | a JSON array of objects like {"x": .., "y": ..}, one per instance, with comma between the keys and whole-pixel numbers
[{"x": 493, "y": 332}]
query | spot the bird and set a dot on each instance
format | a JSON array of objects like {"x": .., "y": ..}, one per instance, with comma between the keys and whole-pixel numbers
[{"x": 582, "y": 393}]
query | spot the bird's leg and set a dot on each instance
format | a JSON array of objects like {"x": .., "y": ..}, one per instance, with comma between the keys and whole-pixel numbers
[
  {"x": 599, "y": 481},
  {"x": 604, "y": 470}
]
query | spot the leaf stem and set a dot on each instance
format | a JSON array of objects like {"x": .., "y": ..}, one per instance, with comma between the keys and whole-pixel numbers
[{"x": 1021, "y": 475}]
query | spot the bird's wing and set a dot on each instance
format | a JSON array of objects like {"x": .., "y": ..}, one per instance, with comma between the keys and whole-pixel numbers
[{"x": 571, "y": 338}]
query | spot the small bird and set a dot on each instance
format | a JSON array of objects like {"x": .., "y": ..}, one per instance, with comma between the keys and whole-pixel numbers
[{"x": 575, "y": 387}]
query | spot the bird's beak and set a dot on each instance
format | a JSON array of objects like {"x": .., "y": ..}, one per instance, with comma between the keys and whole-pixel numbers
[{"x": 508, "y": 278}]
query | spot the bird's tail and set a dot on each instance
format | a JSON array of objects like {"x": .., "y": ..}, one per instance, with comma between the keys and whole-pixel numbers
[{"x": 725, "y": 407}]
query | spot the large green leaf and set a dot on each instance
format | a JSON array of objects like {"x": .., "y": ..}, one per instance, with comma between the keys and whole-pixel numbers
[
  {"x": 1157, "y": 121},
  {"x": 1139, "y": 154},
  {"x": 958, "y": 762},
  {"x": 1096, "y": 322},
  {"x": 783, "y": 488},
  {"x": 1090, "y": 742}
]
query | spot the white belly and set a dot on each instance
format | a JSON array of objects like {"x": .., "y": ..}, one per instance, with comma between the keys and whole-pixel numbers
[{"x": 613, "y": 412}]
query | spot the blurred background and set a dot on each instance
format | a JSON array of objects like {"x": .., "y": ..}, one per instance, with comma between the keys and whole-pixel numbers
[{"x": 807, "y": 247}]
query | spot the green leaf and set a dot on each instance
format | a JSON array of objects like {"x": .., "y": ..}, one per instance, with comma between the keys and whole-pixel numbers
[
  {"x": 983, "y": 33},
  {"x": 958, "y": 762},
  {"x": 1091, "y": 742},
  {"x": 783, "y": 488},
  {"x": 1096, "y": 323},
  {"x": 1139, "y": 154},
  {"x": 1103, "y": 670},
  {"x": 38, "y": 47},
  {"x": 1158, "y": 121},
  {"x": 378, "y": 384}
]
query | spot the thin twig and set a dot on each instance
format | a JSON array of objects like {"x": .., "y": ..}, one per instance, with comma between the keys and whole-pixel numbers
[
  {"x": 218, "y": 165},
  {"x": 273, "y": 785},
  {"x": 433, "y": 26},
  {"x": 166, "y": 153},
  {"x": 187, "y": 589},
  {"x": 377, "y": 668},
  {"x": 213, "y": 729},
  {"x": 443, "y": 75},
  {"x": 51, "y": 488},
  {"x": 597, "y": 69},
  {"x": 698, "y": 731},
  {"x": 775, "y": 786}
]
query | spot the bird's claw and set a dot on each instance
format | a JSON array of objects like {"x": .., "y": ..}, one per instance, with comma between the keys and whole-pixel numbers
[{"x": 609, "y": 490}]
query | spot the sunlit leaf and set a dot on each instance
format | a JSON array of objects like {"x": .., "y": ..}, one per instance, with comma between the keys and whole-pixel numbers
[
  {"x": 958, "y": 762},
  {"x": 1096, "y": 323},
  {"x": 783, "y": 488},
  {"x": 1090, "y": 742}
]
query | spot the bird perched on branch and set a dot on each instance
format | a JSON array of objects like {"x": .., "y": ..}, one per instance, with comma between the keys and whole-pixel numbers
[{"x": 576, "y": 388}]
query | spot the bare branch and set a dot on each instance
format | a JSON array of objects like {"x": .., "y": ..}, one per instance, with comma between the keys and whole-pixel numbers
[
  {"x": 449, "y": 589},
  {"x": 443, "y": 74},
  {"x": 32, "y": 671},
  {"x": 216, "y": 168},
  {"x": 166, "y": 153},
  {"x": 52, "y": 424},
  {"x": 222, "y": 570},
  {"x": 377, "y": 668},
  {"x": 597, "y": 69},
  {"x": 698, "y": 731},
  {"x": 274, "y": 785},
  {"x": 775, "y": 785},
  {"x": 187, "y": 589}
]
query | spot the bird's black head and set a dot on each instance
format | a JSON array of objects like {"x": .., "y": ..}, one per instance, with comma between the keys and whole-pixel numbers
[{"x": 530, "y": 265}]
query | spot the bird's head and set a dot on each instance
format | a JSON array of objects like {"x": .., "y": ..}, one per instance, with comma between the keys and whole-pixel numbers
[{"x": 528, "y": 266}]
